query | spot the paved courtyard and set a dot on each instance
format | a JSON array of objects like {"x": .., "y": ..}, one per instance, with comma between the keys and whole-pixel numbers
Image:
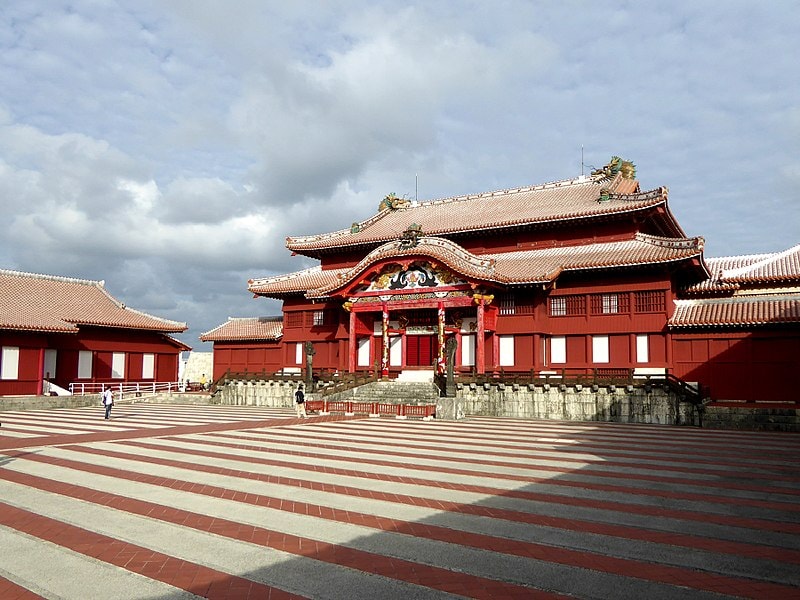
[{"x": 168, "y": 502}]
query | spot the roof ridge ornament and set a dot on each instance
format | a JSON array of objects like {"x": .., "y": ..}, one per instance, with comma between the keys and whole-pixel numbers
[
  {"x": 392, "y": 202},
  {"x": 411, "y": 235},
  {"x": 616, "y": 165}
]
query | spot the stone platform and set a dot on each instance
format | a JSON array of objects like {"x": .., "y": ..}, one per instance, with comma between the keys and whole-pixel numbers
[{"x": 249, "y": 502}]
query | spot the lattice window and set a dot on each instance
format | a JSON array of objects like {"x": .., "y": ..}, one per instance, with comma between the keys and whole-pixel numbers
[
  {"x": 508, "y": 304},
  {"x": 650, "y": 301},
  {"x": 567, "y": 306},
  {"x": 294, "y": 319},
  {"x": 610, "y": 304}
]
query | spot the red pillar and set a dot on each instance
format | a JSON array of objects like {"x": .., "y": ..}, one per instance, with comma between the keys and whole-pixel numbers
[
  {"x": 351, "y": 366},
  {"x": 480, "y": 350},
  {"x": 384, "y": 342}
]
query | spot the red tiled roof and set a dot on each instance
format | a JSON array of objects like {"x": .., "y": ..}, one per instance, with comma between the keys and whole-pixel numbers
[
  {"x": 558, "y": 201},
  {"x": 734, "y": 272},
  {"x": 246, "y": 328},
  {"x": 539, "y": 265},
  {"x": 743, "y": 311},
  {"x": 293, "y": 283},
  {"x": 526, "y": 266},
  {"x": 31, "y": 302}
]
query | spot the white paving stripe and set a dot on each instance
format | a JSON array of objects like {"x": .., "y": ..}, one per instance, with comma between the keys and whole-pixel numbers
[
  {"x": 246, "y": 560},
  {"x": 356, "y": 447},
  {"x": 60, "y": 573},
  {"x": 290, "y": 572},
  {"x": 631, "y": 549},
  {"x": 172, "y": 452}
]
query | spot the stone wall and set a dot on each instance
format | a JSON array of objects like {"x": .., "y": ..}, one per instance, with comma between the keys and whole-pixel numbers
[{"x": 619, "y": 404}]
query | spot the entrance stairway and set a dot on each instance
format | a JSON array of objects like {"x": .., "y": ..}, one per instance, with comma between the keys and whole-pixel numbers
[{"x": 390, "y": 392}]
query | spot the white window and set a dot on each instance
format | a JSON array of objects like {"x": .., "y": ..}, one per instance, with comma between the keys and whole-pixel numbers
[
  {"x": 599, "y": 348},
  {"x": 9, "y": 363},
  {"x": 558, "y": 307},
  {"x": 148, "y": 366},
  {"x": 50, "y": 360},
  {"x": 298, "y": 353},
  {"x": 610, "y": 305},
  {"x": 642, "y": 349},
  {"x": 363, "y": 352},
  {"x": 319, "y": 317},
  {"x": 85, "y": 364},
  {"x": 118, "y": 365},
  {"x": 558, "y": 349},
  {"x": 396, "y": 351},
  {"x": 468, "y": 350},
  {"x": 506, "y": 350}
]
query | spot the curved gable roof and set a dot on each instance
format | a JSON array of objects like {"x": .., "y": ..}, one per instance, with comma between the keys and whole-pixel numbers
[{"x": 524, "y": 267}]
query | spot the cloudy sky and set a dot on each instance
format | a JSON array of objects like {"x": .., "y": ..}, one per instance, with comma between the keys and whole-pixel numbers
[{"x": 168, "y": 147}]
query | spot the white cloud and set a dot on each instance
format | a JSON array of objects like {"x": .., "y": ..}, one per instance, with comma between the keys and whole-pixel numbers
[{"x": 170, "y": 148}]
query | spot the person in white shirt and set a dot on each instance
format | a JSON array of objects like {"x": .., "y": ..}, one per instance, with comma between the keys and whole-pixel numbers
[{"x": 108, "y": 401}]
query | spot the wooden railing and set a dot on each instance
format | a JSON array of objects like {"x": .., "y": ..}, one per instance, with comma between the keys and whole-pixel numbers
[{"x": 373, "y": 409}]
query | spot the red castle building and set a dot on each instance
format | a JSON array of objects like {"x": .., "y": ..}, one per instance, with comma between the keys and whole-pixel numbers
[
  {"x": 72, "y": 331},
  {"x": 580, "y": 275}
]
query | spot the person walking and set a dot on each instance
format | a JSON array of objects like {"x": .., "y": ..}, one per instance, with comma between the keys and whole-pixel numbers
[
  {"x": 108, "y": 401},
  {"x": 300, "y": 402}
]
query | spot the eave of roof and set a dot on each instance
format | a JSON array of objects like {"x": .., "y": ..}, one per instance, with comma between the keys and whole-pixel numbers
[
  {"x": 298, "y": 282},
  {"x": 737, "y": 272},
  {"x": 559, "y": 201},
  {"x": 738, "y": 311}
]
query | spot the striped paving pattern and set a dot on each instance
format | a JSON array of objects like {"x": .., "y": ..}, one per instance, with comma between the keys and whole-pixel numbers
[{"x": 241, "y": 502}]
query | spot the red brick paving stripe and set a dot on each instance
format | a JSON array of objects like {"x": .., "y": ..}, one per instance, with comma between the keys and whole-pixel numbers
[
  {"x": 588, "y": 441},
  {"x": 706, "y": 498},
  {"x": 109, "y": 436},
  {"x": 584, "y": 470},
  {"x": 619, "y": 531},
  {"x": 196, "y": 579},
  {"x": 538, "y": 453},
  {"x": 378, "y": 564},
  {"x": 521, "y": 441},
  {"x": 394, "y": 568},
  {"x": 11, "y": 591}
]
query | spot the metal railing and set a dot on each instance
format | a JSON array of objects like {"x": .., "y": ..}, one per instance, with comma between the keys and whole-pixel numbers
[{"x": 127, "y": 389}]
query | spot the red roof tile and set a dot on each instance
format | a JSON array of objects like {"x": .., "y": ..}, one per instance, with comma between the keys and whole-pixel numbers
[
  {"x": 506, "y": 268},
  {"x": 743, "y": 311},
  {"x": 246, "y": 328},
  {"x": 734, "y": 272},
  {"x": 31, "y": 302},
  {"x": 558, "y": 201},
  {"x": 293, "y": 283}
]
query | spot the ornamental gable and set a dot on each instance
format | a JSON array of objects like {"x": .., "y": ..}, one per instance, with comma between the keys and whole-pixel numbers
[{"x": 395, "y": 278}]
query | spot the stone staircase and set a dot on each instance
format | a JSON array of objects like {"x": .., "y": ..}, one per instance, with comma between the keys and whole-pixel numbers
[{"x": 390, "y": 392}]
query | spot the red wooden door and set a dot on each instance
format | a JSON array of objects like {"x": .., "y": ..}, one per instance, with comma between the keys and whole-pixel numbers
[{"x": 420, "y": 350}]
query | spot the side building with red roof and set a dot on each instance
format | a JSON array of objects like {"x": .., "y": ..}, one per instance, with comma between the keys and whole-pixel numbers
[
  {"x": 247, "y": 345},
  {"x": 589, "y": 275},
  {"x": 67, "y": 331}
]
